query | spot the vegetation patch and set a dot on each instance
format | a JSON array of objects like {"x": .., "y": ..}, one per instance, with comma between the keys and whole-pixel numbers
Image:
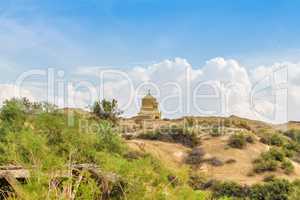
[
  {"x": 229, "y": 189},
  {"x": 272, "y": 160},
  {"x": 195, "y": 157},
  {"x": 174, "y": 135},
  {"x": 275, "y": 189},
  {"x": 274, "y": 139},
  {"x": 240, "y": 140},
  {"x": 294, "y": 134},
  {"x": 39, "y": 135},
  {"x": 216, "y": 131}
]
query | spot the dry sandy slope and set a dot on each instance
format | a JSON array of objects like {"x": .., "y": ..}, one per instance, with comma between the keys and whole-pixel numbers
[
  {"x": 173, "y": 155},
  {"x": 170, "y": 154},
  {"x": 239, "y": 171}
]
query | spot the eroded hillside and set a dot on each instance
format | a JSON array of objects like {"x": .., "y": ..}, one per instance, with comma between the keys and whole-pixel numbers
[{"x": 219, "y": 160}]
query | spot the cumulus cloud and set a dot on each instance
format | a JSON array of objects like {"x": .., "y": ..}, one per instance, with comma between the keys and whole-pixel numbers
[{"x": 221, "y": 87}]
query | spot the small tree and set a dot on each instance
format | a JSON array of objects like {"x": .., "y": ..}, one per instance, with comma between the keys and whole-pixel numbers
[
  {"x": 12, "y": 115},
  {"x": 107, "y": 110}
]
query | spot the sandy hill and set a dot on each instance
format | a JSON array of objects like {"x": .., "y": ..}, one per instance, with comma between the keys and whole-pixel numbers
[{"x": 237, "y": 164}]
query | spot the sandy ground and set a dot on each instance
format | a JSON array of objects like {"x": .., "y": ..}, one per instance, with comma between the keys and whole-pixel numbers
[{"x": 173, "y": 155}]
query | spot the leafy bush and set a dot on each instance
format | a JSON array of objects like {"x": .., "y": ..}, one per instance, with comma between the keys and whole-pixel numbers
[
  {"x": 198, "y": 182},
  {"x": 106, "y": 109},
  {"x": 173, "y": 134},
  {"x": 289, "y": 150},
  {"x": 287, "y": 166},
  {"x": 261, "y": 165},
  {"x": 237, "y": 141},
  {"x": 215, "y": 131},
  {"x": 271, "y": 160},
  {"x": 229, "y": 189},
  {"x": 275, "y": 154},
  {"x": 272, "y": 139},
  {"x": 294, "y": 134},
  {"x": 276, "y": 140},
  {"x": 296, "y": 190},
  {"x": 12, "y": 116},
  {"x": 273, "y": 190}
]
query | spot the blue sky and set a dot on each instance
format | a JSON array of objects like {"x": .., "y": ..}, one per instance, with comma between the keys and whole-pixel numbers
[{"x": 123, "y": 33}]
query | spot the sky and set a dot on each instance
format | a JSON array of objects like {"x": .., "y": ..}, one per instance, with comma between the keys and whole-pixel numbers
[{"x": 152, "y": 38}]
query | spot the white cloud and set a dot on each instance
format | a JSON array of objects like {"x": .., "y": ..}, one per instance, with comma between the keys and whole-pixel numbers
[
  {"x": 174, "y": 83},
  {"x": 220, "y": 87},
  {"x": 226, "y": 71}
]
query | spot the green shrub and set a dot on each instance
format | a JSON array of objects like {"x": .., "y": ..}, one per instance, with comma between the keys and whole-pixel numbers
[
  {"x": 272, "y": 139},
  {"x": 106, "y": 109},
  {"x": 198, "y": 182},
  {"x": 215, "y": 131},
  {"x": 275, "y": 154},
  {"x": 276, "y": 140},
  {"x": 294, "y": 134},
  {"x": 295, "y": 194},
  {"x": 12, "y": 116},
  {"x": 174, "y": 134},
  {"x": 268, "y": 161},
  {"x": 288, "y": 152},
  {"x": 237, "y": 141},
  {"x": 287, "y": 166},
  {"x": 273, "y": 190},
  {"x": 229, "y": 189},
  {"x": 261, "y": 165}
]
